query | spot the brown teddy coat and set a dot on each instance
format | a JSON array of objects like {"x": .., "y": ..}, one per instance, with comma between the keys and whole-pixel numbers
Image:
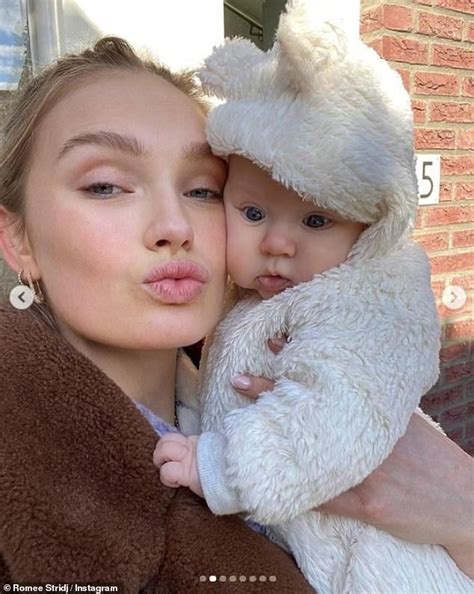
[{"x": 80, "y": 499}]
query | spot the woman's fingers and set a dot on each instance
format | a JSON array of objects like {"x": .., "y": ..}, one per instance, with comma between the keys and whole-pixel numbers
[{"x": 250, "y": 386}]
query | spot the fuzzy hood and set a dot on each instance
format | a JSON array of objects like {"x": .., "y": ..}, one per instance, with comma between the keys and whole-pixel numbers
[{"x": 326, "y": 116}]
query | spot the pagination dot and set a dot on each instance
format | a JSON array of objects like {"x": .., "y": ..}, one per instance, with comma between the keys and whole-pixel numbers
[{"x": 240, "y": 578}]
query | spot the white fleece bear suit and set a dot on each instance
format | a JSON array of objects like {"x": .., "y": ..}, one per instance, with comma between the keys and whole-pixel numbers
[{"x": 327, "y": 117}]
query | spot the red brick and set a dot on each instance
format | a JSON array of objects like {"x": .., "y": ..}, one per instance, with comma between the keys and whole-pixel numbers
[
  {"x": 419, "y": 111},
  {"x": 468, "y": 446},
  {"x": 440, "y": 397},
  {"x": 432, "y": 83},
  {"x": 463, "y": 239},
  {"x": 456, "y": 434},
  {"x": 371, "y": 19},
  {"x": 433, "y": 242},
  {"x": 448, "y": 264},
  {"x": 454, "y": 56},
  {"x": 452, "y": 112},
  {"x": 470, "y": 430},
  {"x": 460, "y": 330},
  {"x": 454, "y": 351},
  {"x": 469, "y": 389},
  {"x": 440, "y": 26},
  {"x": 457, "y": 414},
  {"x": 405, "y": 74},
  {"x": 404, "y": 50},
  {"x": 467, "y": 282},
  {"x": 419, "y": 219},
  {"x": 449, "y": 215},
  {"x": 464, "y": 191},
  {"x": 460, "y": 5},
  {"x": 398, "y": 18},
  {"x": 465, "y": 139},
  {"x": 468, "y": 86},
  {"x": 377, "y": 45},
  {"x": 437, "y": 286},
  {"x": 445, "y": 192},
  {"x": 458, "y": 165},
  {"x": 434, "y": 139},
  {"x": 469, "y": 32}
]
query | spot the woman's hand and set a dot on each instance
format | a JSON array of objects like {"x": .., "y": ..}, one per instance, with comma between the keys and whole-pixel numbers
[{"x": 423, "y": 492}]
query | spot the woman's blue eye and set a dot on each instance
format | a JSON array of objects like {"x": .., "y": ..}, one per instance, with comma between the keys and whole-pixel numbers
[
  {"x": 254, "y": 214},
  {"x": 104, "y": 189},
  {"x": 204, "y": 194},
  {"x": 314, "y": 221}
]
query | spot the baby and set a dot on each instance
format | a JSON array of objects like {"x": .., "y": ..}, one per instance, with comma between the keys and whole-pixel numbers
[{"x": 319, "y": 205}]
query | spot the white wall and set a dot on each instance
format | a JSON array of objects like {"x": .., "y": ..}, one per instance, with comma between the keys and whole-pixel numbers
[{"x": 180, "y": 33}]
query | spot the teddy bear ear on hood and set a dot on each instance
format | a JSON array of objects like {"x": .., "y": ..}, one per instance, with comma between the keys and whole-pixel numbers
[
  {"x": 225, "y": 70},
  {"x": 306, "y": 45}
]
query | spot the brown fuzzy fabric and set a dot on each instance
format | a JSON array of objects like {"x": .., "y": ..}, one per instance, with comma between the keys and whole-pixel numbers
[{"x": 80, "y": 499}]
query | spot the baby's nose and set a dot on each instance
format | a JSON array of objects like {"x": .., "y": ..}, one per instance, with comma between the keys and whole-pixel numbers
[{"x": 277, "y": 242}]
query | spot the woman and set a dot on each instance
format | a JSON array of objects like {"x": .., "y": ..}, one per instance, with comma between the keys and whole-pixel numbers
[{"x": 110, "y": 201}]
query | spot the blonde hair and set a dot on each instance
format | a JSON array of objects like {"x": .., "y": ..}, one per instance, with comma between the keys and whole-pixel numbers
[{"x": 43, "y": 92}]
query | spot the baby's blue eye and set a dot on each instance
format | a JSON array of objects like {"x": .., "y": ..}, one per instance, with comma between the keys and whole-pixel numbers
[
  {"x": 314, "y": 221},
  {"x": 254, "y": 214}
]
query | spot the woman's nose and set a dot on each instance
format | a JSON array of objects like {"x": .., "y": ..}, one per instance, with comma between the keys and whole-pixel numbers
[
  {"x": 278, "y": 242},
  {"x": 170, "y": 226}
]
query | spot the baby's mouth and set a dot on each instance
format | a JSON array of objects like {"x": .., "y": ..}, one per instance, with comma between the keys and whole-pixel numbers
[{"x": 273, "y": 283}]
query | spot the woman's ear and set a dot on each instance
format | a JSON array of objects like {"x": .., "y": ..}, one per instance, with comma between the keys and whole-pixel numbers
[{"x": 15, "y": 245}]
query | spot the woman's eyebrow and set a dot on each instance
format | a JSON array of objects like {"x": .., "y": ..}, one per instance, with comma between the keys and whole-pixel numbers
[
  {"x": 196, "y": 150},
  {"x": 113, "y": 140}
]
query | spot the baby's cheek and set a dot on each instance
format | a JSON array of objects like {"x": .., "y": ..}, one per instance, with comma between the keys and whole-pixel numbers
[
  {"x": 235, "y": 251},
  {"x": 240, "y": 271},
  {"x": 241, "y": 250}
]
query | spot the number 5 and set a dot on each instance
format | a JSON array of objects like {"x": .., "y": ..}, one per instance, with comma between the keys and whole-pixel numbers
[{"x": 428, "y": 178}]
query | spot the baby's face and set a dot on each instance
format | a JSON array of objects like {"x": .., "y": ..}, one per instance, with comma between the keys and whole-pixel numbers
[{"x": 275, "y": 240}]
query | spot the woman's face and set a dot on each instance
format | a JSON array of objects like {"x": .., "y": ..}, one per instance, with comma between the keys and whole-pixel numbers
[{"x": 124, "y": 214}]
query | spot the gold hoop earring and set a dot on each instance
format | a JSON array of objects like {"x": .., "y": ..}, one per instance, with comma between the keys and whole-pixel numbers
[
  {"x": 37, "y": 293},
  {"x": 21, "y": 296}
]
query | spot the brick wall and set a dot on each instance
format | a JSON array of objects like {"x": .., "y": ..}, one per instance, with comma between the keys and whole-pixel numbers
[{"x": 431, "y": 44}]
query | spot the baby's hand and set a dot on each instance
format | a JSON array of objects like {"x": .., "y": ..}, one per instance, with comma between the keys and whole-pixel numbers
[{"x": 175, "y": 456}]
